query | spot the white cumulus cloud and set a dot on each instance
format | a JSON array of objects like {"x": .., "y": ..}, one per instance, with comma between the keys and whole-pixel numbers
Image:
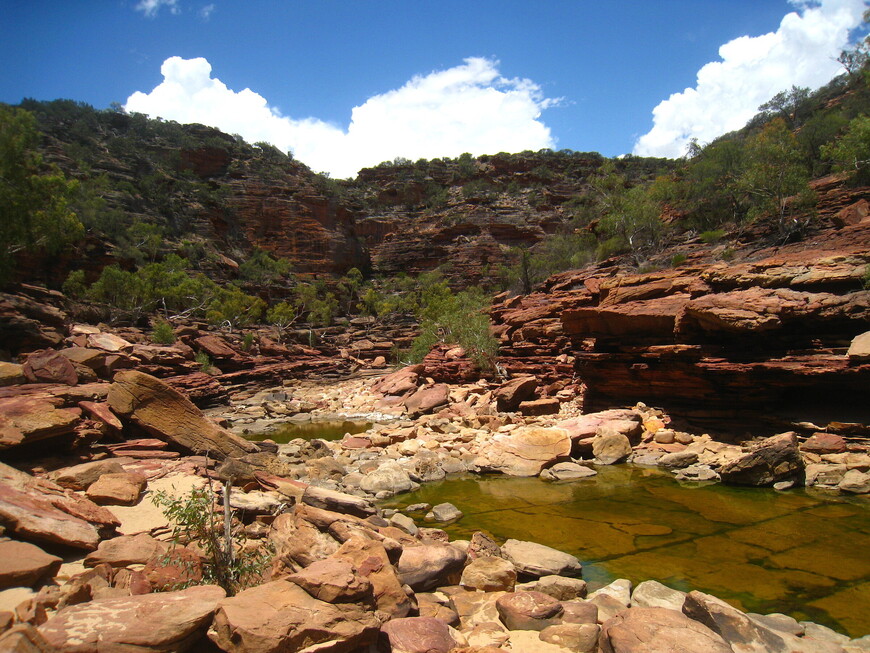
[
  {"x": 151, "y": 7},
  {"x": 752, "y": 70},
  {"x": 467, "y": 108}
]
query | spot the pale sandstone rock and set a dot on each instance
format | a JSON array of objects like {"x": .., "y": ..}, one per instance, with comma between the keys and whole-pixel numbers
[
  {"x": 658, "y": 630},
  {"x": 490, "y": 574},
  {"x": 533, "y": 559},
  {"x": 524, "y": 451},
  {"x": 167, "y": 414},
  {"x": 169, "y": 621}
]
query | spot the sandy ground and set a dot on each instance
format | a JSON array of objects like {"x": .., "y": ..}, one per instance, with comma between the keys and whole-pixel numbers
[
  {"x": 142, "y": 517},
  {"x": 145, "y": 516}
]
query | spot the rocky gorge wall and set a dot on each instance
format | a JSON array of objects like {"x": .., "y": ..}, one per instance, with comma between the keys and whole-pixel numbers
[{"x": 763, "y": 339}]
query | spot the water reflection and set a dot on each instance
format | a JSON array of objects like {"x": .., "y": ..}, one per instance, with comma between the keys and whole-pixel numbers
[{"x": 798, "y": 552}]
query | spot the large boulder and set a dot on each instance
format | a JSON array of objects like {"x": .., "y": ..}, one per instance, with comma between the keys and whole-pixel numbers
[
  {"x": 389, "y": 477},
  {"x": 298, "y": 542},
  {"x": 428, "y": 566},
  {"x": 490, "y": 574},
  {"x": 511, "y": 394},
  {"x": 399, "y": 382},
  {"x": 49, "y": 366},
  {"x": 770, "y": 461},
  {"x": 610, "y": 447},
  {"x": 121, "y": 489},
  {"x": 533, "y": 559},
  {"x": 658, "y": 630},
  {"x": 652, "y": 594},
  {"x": 525, "y": 451},
  {"x": 23, "y": 564},
  {"x": 528, "y": 610},
  {"x": 167, "y": 621},
  {"x": 280, "y": 616},
  {"x": 333, "y": 580},
  {"x": 167, "y": 414},
  {"x": 337, "y": 501},
  {"x": 427, "y": 399},
  {"x": 742, "y": 633},
  {"x": 370, "y": 560}
]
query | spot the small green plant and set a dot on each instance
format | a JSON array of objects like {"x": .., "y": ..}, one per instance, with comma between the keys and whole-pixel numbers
[
  {"x": 203, "y": 361},
  {"x": 162, "y": 333},
  {"x": 727, "y": 254},
  {"x": 228, "y": 562},
  {"x": 678, "y": 259},
  {"x": 248, "y": 341},
  {"x": 712, "y": 236}
]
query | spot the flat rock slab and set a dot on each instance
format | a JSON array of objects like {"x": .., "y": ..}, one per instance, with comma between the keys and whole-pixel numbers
[
  {"x": 658, "y": 630},
  {"x": 533, "y": 559},
  {"x": 524, "y": 452},
  {"x": 168, "y": 621},
  {"x": 167, "y": 414},
  {"x": 80, "y": 477},
  {"x": 126, "y": 550},
  {"x": 418, "y": 635},
  {"x": 49, "y": 366},
  {"x": 23, "y": 564},
  {"x": 35, "y": 417},
  {"x": 280, "y": 616},
  {"x": 40, "y": 511}
]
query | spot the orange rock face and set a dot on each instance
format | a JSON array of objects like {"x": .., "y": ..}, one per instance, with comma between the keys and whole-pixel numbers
[{"x": 712, "y": 342}]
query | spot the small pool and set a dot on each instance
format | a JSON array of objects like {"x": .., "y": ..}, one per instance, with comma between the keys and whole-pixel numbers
[
  {"x": 800, "y": 552},
  {"x": 329, "y": 429}
]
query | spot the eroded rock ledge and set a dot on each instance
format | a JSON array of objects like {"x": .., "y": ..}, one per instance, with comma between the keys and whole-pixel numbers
[{"x": 762, "y": 342}]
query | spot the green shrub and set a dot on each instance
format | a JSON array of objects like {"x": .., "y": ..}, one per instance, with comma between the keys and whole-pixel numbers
[
  {"x": 227, "y": 563},
  {"x": 74, "y": 286},
  {"x": 203, "y": 361},
  {"x": 282, "y": 315},
  {"x": 457, "y": 319},
  {"x": 678, "y": 259},
  {"x": 248, "y": 341},
  {"x": 162, "y": 333},
  {"x": 712, "y": 236},
  {"x": 727, "y": 254}
]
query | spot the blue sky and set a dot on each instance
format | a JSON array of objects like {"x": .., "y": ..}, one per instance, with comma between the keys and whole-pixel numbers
[{"x": 508, "y": 75}]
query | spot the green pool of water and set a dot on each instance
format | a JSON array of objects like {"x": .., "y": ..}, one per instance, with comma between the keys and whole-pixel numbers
[
  {"x": 803, "y": 553},
  {"x": 323, "y": 429}
]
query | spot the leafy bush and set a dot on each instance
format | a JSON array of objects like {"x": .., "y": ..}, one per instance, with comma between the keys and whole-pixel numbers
[
  {"x": 282, "y": 315},
  {"x": 851, "y": 152},
  {"x": 263, "y": 269},
  {"x": 162, "y": 333},
  {"x": 167, "y": 286},
  {"x": 712, "y": 236},
  {"x": 227, "y": 563},
  {"x": 678, "y": 259},
  {"x": 457, "y": 319},
  {"x": 203, "y": 361},
  {"x": 75, "y": 286},
  {"x": 248, "y": 341}
]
